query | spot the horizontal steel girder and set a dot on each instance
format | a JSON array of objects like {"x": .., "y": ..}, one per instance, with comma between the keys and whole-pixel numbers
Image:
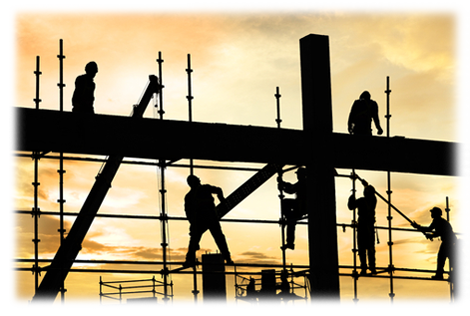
[{"x": 67, "y": 132}]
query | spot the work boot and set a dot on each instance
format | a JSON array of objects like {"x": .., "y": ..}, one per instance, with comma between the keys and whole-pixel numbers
[
  {"x": 288, "y": 246},
  {"x": 189, "y": 263}
]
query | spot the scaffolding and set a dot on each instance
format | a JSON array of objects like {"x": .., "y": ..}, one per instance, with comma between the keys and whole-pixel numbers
[
  {"x": 241, "y": 279},
  {"x": 114, "y": 290}
]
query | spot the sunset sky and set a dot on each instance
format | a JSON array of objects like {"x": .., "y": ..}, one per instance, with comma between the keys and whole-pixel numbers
[{"x": 239, "y": 57}]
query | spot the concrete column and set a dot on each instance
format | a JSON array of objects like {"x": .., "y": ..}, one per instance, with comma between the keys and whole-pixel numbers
[{"x": 321, "y": 204}]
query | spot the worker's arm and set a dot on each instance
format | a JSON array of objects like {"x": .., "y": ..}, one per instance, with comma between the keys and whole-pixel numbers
[
  {"x": 218, "y": 191},
  {"x": 375, "y": 117},
  {"x": 350, "y": 120}
]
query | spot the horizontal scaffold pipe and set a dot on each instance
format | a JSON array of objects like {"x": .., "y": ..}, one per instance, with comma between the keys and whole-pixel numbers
[
  {"x": 145, "y": 163},
  {"x": 191, "y": 271},
  {"x": 233, "y": 220}
]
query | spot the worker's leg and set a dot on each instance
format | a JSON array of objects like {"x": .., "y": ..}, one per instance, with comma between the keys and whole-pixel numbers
[
  {"x": 371, "y": 248},
  {"x": 288, "y": 211},
  {"x": 442, "y": 255},
  {"x": 195, "y": 233},
  {"x": 220, "y": 240},
  {"x": 361, "y": 251}
]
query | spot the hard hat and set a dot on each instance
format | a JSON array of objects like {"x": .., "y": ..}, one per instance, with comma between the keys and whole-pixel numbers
[{"x": 436, "y": 210}]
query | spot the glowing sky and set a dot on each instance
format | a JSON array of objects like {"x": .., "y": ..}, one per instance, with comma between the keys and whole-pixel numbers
[{"x": 238, "y": 59}]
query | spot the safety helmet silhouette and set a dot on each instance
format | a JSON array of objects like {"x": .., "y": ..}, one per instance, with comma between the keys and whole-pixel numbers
[
  {"x": 365, "y": 95},
  {"x": 91, "y": 67},
  {"x": 192, "y": 180},
  {"x": 436, "y": 210},
  {"x": 369, "y": 190}
]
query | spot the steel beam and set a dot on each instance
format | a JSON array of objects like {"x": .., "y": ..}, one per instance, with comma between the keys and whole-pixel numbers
[{"x": 47, "y": 130}]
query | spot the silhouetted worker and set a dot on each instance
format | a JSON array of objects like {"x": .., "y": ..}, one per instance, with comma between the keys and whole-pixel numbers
[
  {"x": 363, "y": 112},
  {"x": 365, "y": 226},
  {"x": 459, "y": 274},
  {"x": 293, "y": 209},
  {"x": 201, "y": 213},
  {"x": 83, "y": 96},
  {"x": 440, "y": 228}
]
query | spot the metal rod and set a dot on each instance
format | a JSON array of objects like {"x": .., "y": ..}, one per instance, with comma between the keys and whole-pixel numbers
[
  {"x": 278, "y": 108},
  {"x": 160, "y": 76},
  {"x": 190, "y": 98},
  {"x": 146, "y": 163},
  {"x": 61, "y": 170},
  {"x": 389, "y": 193},
  {"x": 281, "y": 195},
  {"x": 35, "y": 212},
  {"x": 37, "y": 100},
  {"x": 354, "y": 250},
  {"x": 164, "y": 222}
]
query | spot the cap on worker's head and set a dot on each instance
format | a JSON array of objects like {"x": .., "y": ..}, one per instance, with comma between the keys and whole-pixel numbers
[
  {"x": 302, "y": 171},
  {"x": 436, "y": 210},
  {"x": 192, "y": 180},
  {"x": 365, "y": 95},
  {"x": 91, "y": 67}
]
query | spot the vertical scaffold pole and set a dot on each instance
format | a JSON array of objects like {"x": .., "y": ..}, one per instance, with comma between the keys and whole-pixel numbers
[
  {"x": 389, "y": 194},
  {"x": 37, "y": 100},
  {"x": 190, "y": 98},
  {"x": 354, "y": 250},
  {"x": 162, "y": 166},
  {"x": 160, "y": 70},
  {"x": 164, "y": 221},
  {"x": 35, "y": 211},
  {"x": 451, "y": 259},
  {"x": 281, "y": 195},
  {"x": 61, "y": 170}
]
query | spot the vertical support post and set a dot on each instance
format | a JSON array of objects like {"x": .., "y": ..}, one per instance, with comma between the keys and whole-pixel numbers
[
  {"x": 195, "y": 290},
  {"x": 354, "y": 250},
  {"x": 278, "y": 108},
  {"x": 281, "y": 195},
  {"x": 61, "y": 84},
  {"x": 213, "y": 278},
  {"x": 321, "y": 204},
  {"x": 37, "y": 100},
  {"x": 36, "y": 213},
  {"x": 162, "y": 166},
  {"x": 452, "y": 259},
  {"x": 190, "y": 98},
  {"x": 389, "y": 194},
  {"x": 35, "y": 210},
  {"x": 164, "y": 222},
  {"x": 61, "y": 170},
  {"x": 160, "y": 76}
]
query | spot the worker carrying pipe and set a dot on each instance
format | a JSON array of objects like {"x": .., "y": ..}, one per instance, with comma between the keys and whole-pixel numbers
[
  {"x": 440, "y": 228},
  {"x": 365, "y": 226}
]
